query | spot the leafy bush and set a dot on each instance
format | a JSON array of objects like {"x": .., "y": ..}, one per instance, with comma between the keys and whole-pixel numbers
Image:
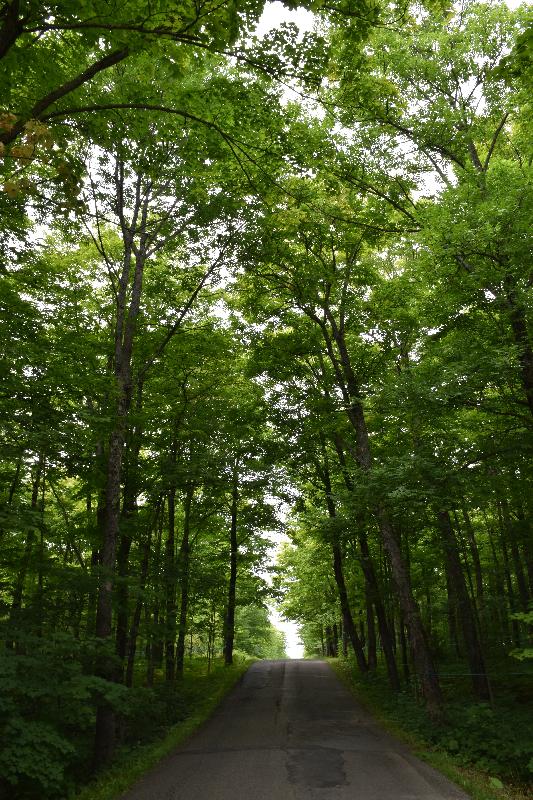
[
  {"x": 498, "y": 741},
  {"x": 48, "y": 700},
  {"x": 47, "y": 713}
]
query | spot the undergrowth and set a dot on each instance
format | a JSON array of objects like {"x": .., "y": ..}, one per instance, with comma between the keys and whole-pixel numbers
[
  {"x": 200, "y": 694},
  {"x": 48, "y": 701}
]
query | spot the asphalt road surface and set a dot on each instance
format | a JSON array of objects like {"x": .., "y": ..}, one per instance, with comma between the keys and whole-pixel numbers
[{"x": 291, "y": 731}]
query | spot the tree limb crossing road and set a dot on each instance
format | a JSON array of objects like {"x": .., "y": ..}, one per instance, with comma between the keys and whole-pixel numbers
[{"x": 292, "y": 731}]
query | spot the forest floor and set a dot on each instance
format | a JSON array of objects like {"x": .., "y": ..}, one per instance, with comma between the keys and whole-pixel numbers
[
  {"x": 488, "y": 751},
  {"x": 201, "y": 694}
]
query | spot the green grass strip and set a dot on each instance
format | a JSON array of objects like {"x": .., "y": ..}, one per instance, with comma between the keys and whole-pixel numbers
[{"x": 131, "y": 764}]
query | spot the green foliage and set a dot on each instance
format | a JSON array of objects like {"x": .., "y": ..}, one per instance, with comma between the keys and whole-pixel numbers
[
  {"x": 255, "y": 635},
  {"x": 203, "y": 691},
  {"x": 523, "y": 653},
  {"x": 497, "y": 741},
  {"x": 218, "y": 303}
]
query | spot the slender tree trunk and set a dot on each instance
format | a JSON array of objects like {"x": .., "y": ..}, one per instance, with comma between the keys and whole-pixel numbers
[
  {"x": 349, "y": 387},
  {"x": 154, "y": 650},
  {"x": 344, "y": 642},
  {"x": 474, "y": 550},
  {"x": 497, "y": 586},
  {"x": 476, "y": 661},
  {"x": 18, "y": 589},
  {"x": 122, "y": 593},
  {"x": 335, "y": 639},
  {"x": 521, "y": 337},
  {"x": 371, "y": 630},
  {"x": 527, "y": 546},
  {"x": 229, "y": 623},
  {"x": 134, "y": 257},
  {"x": 347, "y": 619},
  {"x": 372, "y": 585},
  {"x": 136, "y": 620},
  {"x": 507, "y": 575},
  {"x": 127, "y": 525},
  {"x": 422, "y": 657},
  {"x": 170, "y": 589},
  {"x": 451, "y": 606},
  {"x": 403, "y": 647},
  {"x": 184, "y": 573},
  {"x": 338, "y": 570},
  {"x": 518, "y": 569},
  {"x": 385, "y": 635},
  {"x": 15, "y": 482}
]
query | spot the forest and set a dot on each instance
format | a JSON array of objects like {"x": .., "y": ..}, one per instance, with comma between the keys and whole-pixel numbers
[{"x": 263, "y": 286}]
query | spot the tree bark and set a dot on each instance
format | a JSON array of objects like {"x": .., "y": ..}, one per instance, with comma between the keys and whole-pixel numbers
[
  {"x": 371, "y": 631},
  {"x": 518, "y": 569},
  {"x": 348, "y": 385},
  {"x": 521, "y": 337},
  {"x": 136, "y": 619},
  {"x": 229, "y": 623},
  {"x": 184, "y": 575},
  {"x": 347, "y": 618},
  {"x": 371, "y": 583},
  {"x": 18, "y": 589},
  {"x": 134, "y": 256},
  {"x": 170, "y": 588},
  {"x": 127, "y": 524},
  {"x": 476, "y": 661},
  {"x": 338, "y": 571},
  {"x": 12, "y": 27},
  {"x": 474, "y": 550}
]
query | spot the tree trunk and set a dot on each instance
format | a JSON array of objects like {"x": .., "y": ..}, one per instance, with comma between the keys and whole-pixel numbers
[
  {"x": 136, "y": 619},
  {"x": 521, "y": 337},
  {"x": 476, "y": 661},
  {"x": 371, "y": 630},
  {"x": 372, "y": 586},
  {"x": 154, "y": 649},
  {"x": 170, "y": 588},
  {"x": 518, "y": 569},
  {"x": 377, "y": 601},
  {"x": 349, "y": 388},
  {"x": 18, "y": 589},
  {"x": 403, "y": 647},
  {"x": 229, "y": 623},
  {"x": 127, "y": 525},
  {"x": 474, "y": 550},
  {"x": 422, "y": 657},
  {"x": 527, "y": 546},
  {"x": 126, "y": 323},
  {"x": 507, "y": 574},
  {"x": 348, "y": 623},
  {"x": 184, "y": 574},
  {"x": 347, "y": 619}
]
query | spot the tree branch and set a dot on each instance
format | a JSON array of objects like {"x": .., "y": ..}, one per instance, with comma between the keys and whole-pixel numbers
[{"x": 36, "y": 112}]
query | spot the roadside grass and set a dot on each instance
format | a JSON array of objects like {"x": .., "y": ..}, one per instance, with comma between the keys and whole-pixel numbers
[
  {"x": 402, "y": 716},
  {"x": 201, "y": 692}
]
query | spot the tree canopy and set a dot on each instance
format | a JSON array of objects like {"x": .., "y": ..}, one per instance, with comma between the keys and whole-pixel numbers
[{"x": 252, "y": 286}]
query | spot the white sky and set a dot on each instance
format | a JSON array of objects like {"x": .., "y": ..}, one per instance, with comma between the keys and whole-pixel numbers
[
  {"x": 276, "y": 13},
  {"x": 295, "y": 648}
]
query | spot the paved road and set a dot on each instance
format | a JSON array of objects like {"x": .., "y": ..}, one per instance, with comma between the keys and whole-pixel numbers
[{"x": 291, "y": 731}]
